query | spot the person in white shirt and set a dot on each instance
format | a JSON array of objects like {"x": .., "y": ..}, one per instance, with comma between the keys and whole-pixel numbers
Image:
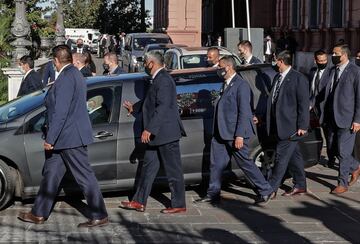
[
  {"x": 245, "y": 53},
  {"x": 269, "y": 49}
]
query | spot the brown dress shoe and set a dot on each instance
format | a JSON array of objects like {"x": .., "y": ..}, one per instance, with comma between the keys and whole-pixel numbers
[
  {"x": 293, "y": 192},
  {"x": 354, "y": 176},
  {"x": 132, "y": 205},
  {"x": 94, "y": 222},
  {"x": 29, "y": 217},
  {"x": 173, "y": 210},
  {"x": 339, "y": 190}
]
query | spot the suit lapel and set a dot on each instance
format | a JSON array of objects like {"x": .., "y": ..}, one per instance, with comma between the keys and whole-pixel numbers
[{"x": 231, "y": 84}]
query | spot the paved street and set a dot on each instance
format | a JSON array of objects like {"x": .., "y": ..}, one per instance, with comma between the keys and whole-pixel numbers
[{"x": 314, "y": 218}]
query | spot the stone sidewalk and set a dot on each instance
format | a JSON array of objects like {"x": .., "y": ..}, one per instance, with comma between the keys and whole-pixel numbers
[{"x": 317, "y": 217}]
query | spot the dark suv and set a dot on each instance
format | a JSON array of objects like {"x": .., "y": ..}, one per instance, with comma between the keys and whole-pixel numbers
[{"x": 116, "y": 151}]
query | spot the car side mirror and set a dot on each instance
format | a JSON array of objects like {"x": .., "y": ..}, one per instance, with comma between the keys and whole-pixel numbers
[{"x": 140, "y": 59}]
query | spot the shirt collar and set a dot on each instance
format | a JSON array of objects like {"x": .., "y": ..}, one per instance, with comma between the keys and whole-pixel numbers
[
  {"x": 63, "y": 69},
  {"x": 111, "y": 71},
  {"x": 230, "y": 78},
  {"x": 248, "y": 59},
  {"x": 283, "y": 74},
  {"x": 343, "y": 66},
  {"x": 27, "y": 73},
  {"x": 156, "y": 72}
]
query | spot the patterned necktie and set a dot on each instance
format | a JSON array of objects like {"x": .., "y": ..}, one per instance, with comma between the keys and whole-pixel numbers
[{"x": 277, "y": 89}]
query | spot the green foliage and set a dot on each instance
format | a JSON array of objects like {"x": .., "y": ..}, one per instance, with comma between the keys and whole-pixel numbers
[
  {"x": 4, "y": 62},
  {"x": 81, "y": 13}
]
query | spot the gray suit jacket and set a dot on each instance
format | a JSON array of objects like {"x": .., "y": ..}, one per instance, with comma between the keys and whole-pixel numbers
[
  {"x": 346, "y": 97},
  {"x": 233, "y": 111}
]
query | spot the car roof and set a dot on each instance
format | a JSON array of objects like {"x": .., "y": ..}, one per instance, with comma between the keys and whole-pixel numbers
[
  {"x": 154, "y": 35},
  {"x": 165, "y": 45},
  {"x": 184, "y": 51}
]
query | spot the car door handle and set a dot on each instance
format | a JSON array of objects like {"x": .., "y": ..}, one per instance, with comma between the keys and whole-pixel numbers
[{"x": 103, "y": 134}]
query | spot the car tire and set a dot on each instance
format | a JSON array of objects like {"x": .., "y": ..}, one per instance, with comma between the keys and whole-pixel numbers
[
  {"x": 264, "y": 160},
  {"x": 7, "y": 185}
]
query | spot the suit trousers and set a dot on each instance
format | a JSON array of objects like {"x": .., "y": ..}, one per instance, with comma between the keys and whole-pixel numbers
[
  {"x": 220, "y": 154},
  {"x": 345, "y": 141},
  {"x": 331, "y": 140},
  {"x": 169, "y": 154},
  {"x": 56, "y": 164},
  {"x": 288, "y": 156}
]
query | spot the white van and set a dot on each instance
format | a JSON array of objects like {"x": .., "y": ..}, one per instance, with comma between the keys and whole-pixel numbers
[{"x": 88, "y": 35}]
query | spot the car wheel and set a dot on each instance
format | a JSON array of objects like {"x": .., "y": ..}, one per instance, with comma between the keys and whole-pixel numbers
[
  {"x": 7, "y": 185},
  {"x": 265, "y": 160}
]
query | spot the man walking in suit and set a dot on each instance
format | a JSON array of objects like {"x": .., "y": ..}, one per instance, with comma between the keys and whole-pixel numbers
[
  {"x": 287, "y": 121},
  {"x": 341, "y": 114},
  {"x": 32, "y": 80},
  {"x": 68, "y": 134},
  {"x": 80, "y": 47},
  {"x": 269, "y": 49},
  {"x": 162, "y": 130},
  {"x": 68, "y": 41},
  {"x": 233, "y": 129},
  {"x": 319, "y": 77},
  {"x": 245, "y": 53},
  {"x": 111, "y": 65},
  {"x": 79, "y": 61}
]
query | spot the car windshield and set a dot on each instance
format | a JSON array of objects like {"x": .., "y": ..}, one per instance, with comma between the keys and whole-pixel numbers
[
  {"x": 21, "y": 106},
  {"x": 141, "y": 43},
  {"x": 194, "y": 61}
]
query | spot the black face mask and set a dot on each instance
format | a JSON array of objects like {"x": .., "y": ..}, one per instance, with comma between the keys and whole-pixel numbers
[
  {"x": 321, "y": 66},
  {"x": 106, "y": 67},
  {"x": 275, "y": 67},
  {"x": 221, "y": 72},
  {"x": 147, "y": 69},
  {"x": 357, "y": 61},
  {"x": 210, "y": 63},
  {"x": 335, "y": 59},
  {"x": 80, "y": 45}
]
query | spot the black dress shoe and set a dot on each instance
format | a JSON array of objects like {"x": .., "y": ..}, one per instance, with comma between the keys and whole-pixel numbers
[
  {"x": 94, "y": 222},
  {"x": 294, "y": 191},
  {"x": 208, "y": 199},
  {"x": 263, "y": 200}
]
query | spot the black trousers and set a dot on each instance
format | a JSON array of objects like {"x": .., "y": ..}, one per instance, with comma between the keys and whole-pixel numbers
[
  {"x": 169, "y": 154},
  {"x": 56, "y": 164},
  {"x": 220, "y": 154},
  {"x": 288, "y": 156}
]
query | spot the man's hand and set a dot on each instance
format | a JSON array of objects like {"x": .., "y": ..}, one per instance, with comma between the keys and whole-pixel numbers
[
  {"x": 255, "y": 120},
  {"x": 239, "y": 142},
  {"x": 145, "y": 136},
  {"x": 355, "y": 127},
  {"x": 129, "y": 106},
  {"x": 301, "y": 132},
  {"x": 48, "y": 146}
]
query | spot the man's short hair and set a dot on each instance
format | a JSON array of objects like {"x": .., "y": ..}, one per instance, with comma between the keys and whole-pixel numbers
[
  {"x": 26, "y": 59},
  {"x": 113, "y": 58},
  {"x": 79, "y": 57},
  {"x": 229, "y": 60},
  {"x": 344, "y": 48},
  {"x": 246, "y": 44},
  {"x": 157, "y": 56},
  {"x": 319, "y": 53},
  {"x": 63, "y": 54},
  {"x": 285, "y": 56},
  {"x": 214, "y": 49}
]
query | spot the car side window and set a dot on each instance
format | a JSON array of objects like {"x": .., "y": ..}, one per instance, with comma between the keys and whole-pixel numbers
[
  {"x": 99, "y": 104},
  {"x": 196, "y": 95},
  {"x": 35, "y": 124}
]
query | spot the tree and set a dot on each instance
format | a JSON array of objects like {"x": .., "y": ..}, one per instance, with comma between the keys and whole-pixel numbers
[
  {"x": 122, "y": 15},
  {"x": 82, "y": 13}
]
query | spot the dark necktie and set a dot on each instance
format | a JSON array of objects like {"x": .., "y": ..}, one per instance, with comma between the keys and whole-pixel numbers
[
  {"x": 316, "y": 85},
  {"x": 336, "y": 79},
  {"x": 277, "y": 89}
]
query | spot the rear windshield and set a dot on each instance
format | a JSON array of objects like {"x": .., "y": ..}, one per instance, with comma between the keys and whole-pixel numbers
[
  {"x": 194, "y": 61},
  {"x": 141, "y": 43},
  {"x": 21, "y": 106}
]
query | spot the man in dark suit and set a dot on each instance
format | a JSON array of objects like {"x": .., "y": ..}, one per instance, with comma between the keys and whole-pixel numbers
[
  {"x": 111, "y": 65},
  {"x": 80, "y": 47},
  {"x": 79, "y": 61},
  {"x": 245, "y": 53},
  {"x": 68, "y": 134},
  {"x": 287, "y": 121},
  {"x": 269, "y": 49},
  {"x": 32, "y": 80},
  {"x": 233, "y": 130},
  {"x": 319, "y": 77},
  {"x": 68, "y": 42},
  {"x": 162, "y": 130},
  {"x": 341, "y": 114}
]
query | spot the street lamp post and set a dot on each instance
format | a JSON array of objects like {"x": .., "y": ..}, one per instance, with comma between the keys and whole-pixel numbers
[
  {"x": 60, "y": 29},
  {"x": 20, "y": 28}
]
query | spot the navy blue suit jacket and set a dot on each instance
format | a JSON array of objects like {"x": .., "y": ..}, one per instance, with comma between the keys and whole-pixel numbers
[
  {"x": 118, "y": 71},
  {"x": 346, "y": 97},
  {"x": 292, "y": 106},
  {"x": 48, "y": 73},
  {"x": 320, "y": 91},
  {"x": 86, "y": 72},
  {"x": 31, "y": 83},
  {"x": 67, "y": 116},
  {"x": 160, "y": 111},
  {"x": 255, "y": 60},
  {"x": 233, "y": 111}
]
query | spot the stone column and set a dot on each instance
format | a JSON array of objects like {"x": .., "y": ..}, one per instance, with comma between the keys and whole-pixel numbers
[
  {"x": 20, "y": 28},
  {"x": 60, "y": 29}
]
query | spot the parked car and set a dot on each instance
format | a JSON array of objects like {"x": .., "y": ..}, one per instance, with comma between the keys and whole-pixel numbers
[
  {"x": 116, "y": 152},
  {"x": 192, "y": 57},
  {"x": 135, "y": 44},
  {"x": 161, "y": 47}
]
